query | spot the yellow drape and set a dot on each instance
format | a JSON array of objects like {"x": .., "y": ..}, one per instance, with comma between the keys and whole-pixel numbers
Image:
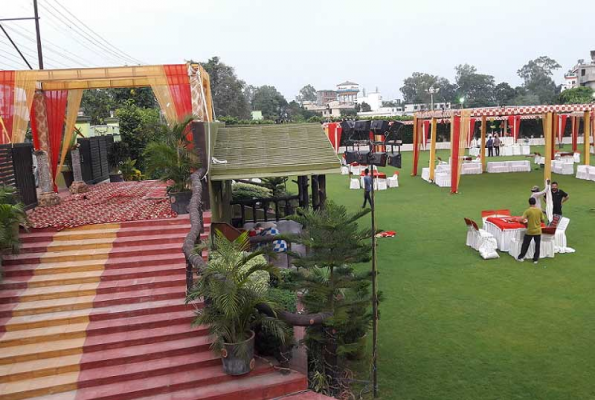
[
  {"x": 158, "y": 82},
  {"x": 547, "y": 133},
  {"x": 482, "y": 150},
  {"x": 72, "y": 109},
  {"x": 415, "y": 146},
  {"x": 24, "y": 90},
  {"x": 588, "y": 133},
  {"x": 433, "y": 149},
  {"x": 464, "y": 134}
]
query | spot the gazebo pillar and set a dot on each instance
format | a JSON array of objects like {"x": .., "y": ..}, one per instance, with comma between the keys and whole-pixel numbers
[
  {"x": 482, "y": 149},
  {"x": 78, "y": 186},
  {"x": 48, "y": 196},
  {"x": 547, "y": 133},
  {"x": 433, "y": 150},
  {"x": 587, "y": 142}
]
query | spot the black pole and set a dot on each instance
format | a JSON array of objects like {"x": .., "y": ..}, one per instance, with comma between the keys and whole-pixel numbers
[
  {"x": 374, "y": 293},
  {"x": 39, "y": 52},
  {"x": 16, "y": 47}
]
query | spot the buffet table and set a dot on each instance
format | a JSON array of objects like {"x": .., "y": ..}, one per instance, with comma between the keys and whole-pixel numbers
[{"x": 503, "y": 230}]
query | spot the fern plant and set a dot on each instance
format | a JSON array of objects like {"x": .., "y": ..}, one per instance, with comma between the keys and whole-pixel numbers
[
  {"x": 232, "y": 284},
  {"x": 172, "y": 160},
  {"x": 12, "y": 215}
]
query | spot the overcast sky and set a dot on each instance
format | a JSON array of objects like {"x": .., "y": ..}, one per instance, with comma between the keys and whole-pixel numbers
[{"x": 376, "y": 43}]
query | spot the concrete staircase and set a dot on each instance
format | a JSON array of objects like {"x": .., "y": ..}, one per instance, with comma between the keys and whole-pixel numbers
[{"x": 98, "y": 312}]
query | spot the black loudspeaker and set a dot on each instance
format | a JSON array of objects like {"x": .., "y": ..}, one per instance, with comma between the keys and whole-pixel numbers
[
  {"x": 377, "y": 158},
  {"x": 362, "y": 126},
  {"x": 379, "y": 126},
  {"x": 394, "y": 160},
  {"x": 362, "y": 157},
  {"x": 350, "y": 157}
]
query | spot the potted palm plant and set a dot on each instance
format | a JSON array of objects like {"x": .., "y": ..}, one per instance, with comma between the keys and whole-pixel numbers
[
  {"x": 12, "y": 215},
  {"x": 232, "y": 284},
  {"x": 172, "y": 161}
]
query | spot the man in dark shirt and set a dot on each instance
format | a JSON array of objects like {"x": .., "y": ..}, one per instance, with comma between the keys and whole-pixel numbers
[
  {"x": 367, "y": 188},
  {"x": 558, "y": 198}
]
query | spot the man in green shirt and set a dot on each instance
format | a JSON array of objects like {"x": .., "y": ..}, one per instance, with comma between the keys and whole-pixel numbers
[{"x": 533, "y": 217}]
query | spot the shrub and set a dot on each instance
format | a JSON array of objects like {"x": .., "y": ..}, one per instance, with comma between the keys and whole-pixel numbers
[{"x": 245, "y": 191}]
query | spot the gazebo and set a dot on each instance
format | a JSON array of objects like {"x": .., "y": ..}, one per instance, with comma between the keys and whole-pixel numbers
[
  {"x": 50, "y": 100},
  {"x": 462, "y": 121}
]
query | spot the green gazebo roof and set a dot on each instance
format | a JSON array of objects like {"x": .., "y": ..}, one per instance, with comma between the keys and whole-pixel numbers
[{"x": 260, "y": 151}]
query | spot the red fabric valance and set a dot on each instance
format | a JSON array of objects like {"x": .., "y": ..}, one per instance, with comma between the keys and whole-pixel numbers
[{"x": 6, "y": 104}]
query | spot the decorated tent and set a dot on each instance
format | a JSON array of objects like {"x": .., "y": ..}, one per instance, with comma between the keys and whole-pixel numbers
[
  {"x": 462, "y": 121},
  {"x": 50, "y": 100}
]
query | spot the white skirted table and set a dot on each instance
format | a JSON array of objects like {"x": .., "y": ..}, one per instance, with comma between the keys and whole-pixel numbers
[{"x": 503, "y": 231}]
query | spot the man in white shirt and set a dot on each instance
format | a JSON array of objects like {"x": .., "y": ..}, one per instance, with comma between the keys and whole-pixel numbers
[{"x": 537, "y": 195}]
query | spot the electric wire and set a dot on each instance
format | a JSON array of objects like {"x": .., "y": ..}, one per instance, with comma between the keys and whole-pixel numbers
[
  {"x": 68, "y": 22},
  {"x": 26, "y": 50},
  {"x": 116, "y": 49}
]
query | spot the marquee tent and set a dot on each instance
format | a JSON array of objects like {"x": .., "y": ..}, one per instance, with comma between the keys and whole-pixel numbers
[{"x": 462, "y": 122}]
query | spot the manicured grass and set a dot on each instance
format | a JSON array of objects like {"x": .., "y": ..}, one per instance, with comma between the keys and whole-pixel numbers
[{"x": 454, "y": 326}]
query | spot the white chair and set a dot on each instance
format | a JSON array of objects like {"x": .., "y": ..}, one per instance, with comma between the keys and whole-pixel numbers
[
  {"x": 393, "y": 181},
  {"x": 442, "y": 179},
  {"x": 577, "y": 158},
  {"x": 560, "y": 236},
  {"x": 425, "y": 174},
  {"x": 382, "y": 185},
  {"x": 354, "y": 184},
  {"x": 582, "y": 172},
  {"x": 344, "y": 170},
  {"x": 355, "y": 170},
  {"x": 484, "y": 242}
]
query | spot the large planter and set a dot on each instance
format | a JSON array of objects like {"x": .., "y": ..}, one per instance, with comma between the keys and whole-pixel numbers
[
  {"x": 116, "y": 178},
  {"x": 180, "y": 201},
  {"x": 68, "y": 178},
  {"x": 238, "y": 358}
]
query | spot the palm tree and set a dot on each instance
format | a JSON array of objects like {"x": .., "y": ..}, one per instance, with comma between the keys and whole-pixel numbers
[{"x": 171, "y": 159}]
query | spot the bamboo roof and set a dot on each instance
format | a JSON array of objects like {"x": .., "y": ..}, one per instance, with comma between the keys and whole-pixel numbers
[{"x": 261, "y": 151}]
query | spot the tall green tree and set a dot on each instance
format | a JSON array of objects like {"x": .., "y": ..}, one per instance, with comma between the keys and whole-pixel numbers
[
  {"x": 477, "y": 89},
  {"x": 143, "y": 97},
  {"x": 268, "y": 100},
  {"x": 138, "y": 126},
  {"x": 537, "y": 76},
  {"x": 503, "y": 94},
  {"x": 415, "y": 88},
  {"x": 578, "y": 95},
  {"x": 227, "y": 90},
  {"x": 307, "y": 93},
  {"x": 365, "y": 107},
  {"x": 97, "y": 104}
]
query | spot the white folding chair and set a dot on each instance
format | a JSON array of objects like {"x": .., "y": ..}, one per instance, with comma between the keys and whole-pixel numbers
[
  {"x": 382, "y": 185},
  {"x": 560, "y": 236},
  {"x": 354, "y": 183},
  {"x": 344, "y": 170},
  {"x": 393, "y": 181}
]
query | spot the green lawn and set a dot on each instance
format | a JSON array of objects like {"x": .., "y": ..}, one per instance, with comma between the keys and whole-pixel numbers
[{"x": 454, "y": 326}]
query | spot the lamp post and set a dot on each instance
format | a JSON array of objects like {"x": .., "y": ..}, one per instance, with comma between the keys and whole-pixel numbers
[
  {"x": 462, "y": 101},
  {"x": 432, "y": 91}
]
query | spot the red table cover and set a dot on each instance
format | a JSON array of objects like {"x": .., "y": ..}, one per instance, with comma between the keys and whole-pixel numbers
[
  {"x": 377, "y": 174},
  {"x": 503, "y": 223}
]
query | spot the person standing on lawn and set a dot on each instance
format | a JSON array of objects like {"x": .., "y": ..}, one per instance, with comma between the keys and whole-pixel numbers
[
  {"x": 490, "y": 146},
  {"x": 497, "y": 145},
  {"x": 533, "y": 217},
  {"x": 537, "y": 195},
  {"x": 558, "y": 198},
  {"x": 367, "y": 188}
]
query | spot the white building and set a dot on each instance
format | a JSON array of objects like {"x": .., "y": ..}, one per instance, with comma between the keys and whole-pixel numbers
[
  {"x": 410, "y": 109},
  {"x": 373, "y": 99},
  {"x": 347, "y": 92},
  {"x": 583, "y": 74},
  {"x": 382, "y": 112}
]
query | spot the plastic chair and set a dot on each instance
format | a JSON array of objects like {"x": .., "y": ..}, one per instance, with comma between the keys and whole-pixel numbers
[{"x": 354, "y": 184}]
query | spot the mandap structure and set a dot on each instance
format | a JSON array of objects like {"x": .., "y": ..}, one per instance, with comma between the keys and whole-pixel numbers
[
  {"x": 50, "y": 101},
  {"x": 462, "y": 123}
]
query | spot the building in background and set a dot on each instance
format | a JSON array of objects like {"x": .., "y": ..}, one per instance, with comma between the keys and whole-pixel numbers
[
  {"x": 347, "y": 92},
  {"x": 373, "y": 99},
  {"x": 111, "y": 127},
  {"x": 410, "y": 109},
  {"x": 583, "y": 74},
  {"x": 323, "y": 97}
]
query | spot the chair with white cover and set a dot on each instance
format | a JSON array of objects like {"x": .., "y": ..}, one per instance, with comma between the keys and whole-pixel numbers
[
  {"x": 355, "y": 169},
  {"x": 382, "y": 185},
  {"x": 442, "y": 179},
  {"x": 393, "y": 181},
  {"x": 560, "y": 244},
  {"x": 354, "y": 183},
  {"x": 582, "y": 172},
  {"x": 344, "y": 170},
  {"x": 425, "y": 174},
  {"x": 484, "y": 242},
  {"x": 470, "y": 233},
  {"x": 546, "y": 248},
  {"x": 577, "y": 158}
]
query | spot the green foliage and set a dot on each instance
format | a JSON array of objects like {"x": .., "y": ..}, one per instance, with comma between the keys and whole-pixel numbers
[
  {"x": 326, "y": 275},
  {"x": 282, "y": 299},
  {"x": 307, "y": 93},
  {"x": 232, "y": 284},
  {"x": 139, "y": 126},
  {"x": 477, "y": 89},
  {"x": 129, "y": 170},
  {"x": 537, "y": 77},
  {"x": 268, "y": 100},
  {"x": 118, "y": 153},
  {"x": 12, "y": 215},
  {"x": 229, "y": 121},
  {"x": 171, "y": 159},
  {"x": 245, "y": 191},
  {"x": 227, "y": 90},
  {"x": 578, "y": 95},
  {"x": 415, "y": 88},
  {"x": 365, "y": 107},
  {"x": 503, "y": 94},
  {"x": 97, "y": 104},
  {"x": 277, "y": 185}
]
